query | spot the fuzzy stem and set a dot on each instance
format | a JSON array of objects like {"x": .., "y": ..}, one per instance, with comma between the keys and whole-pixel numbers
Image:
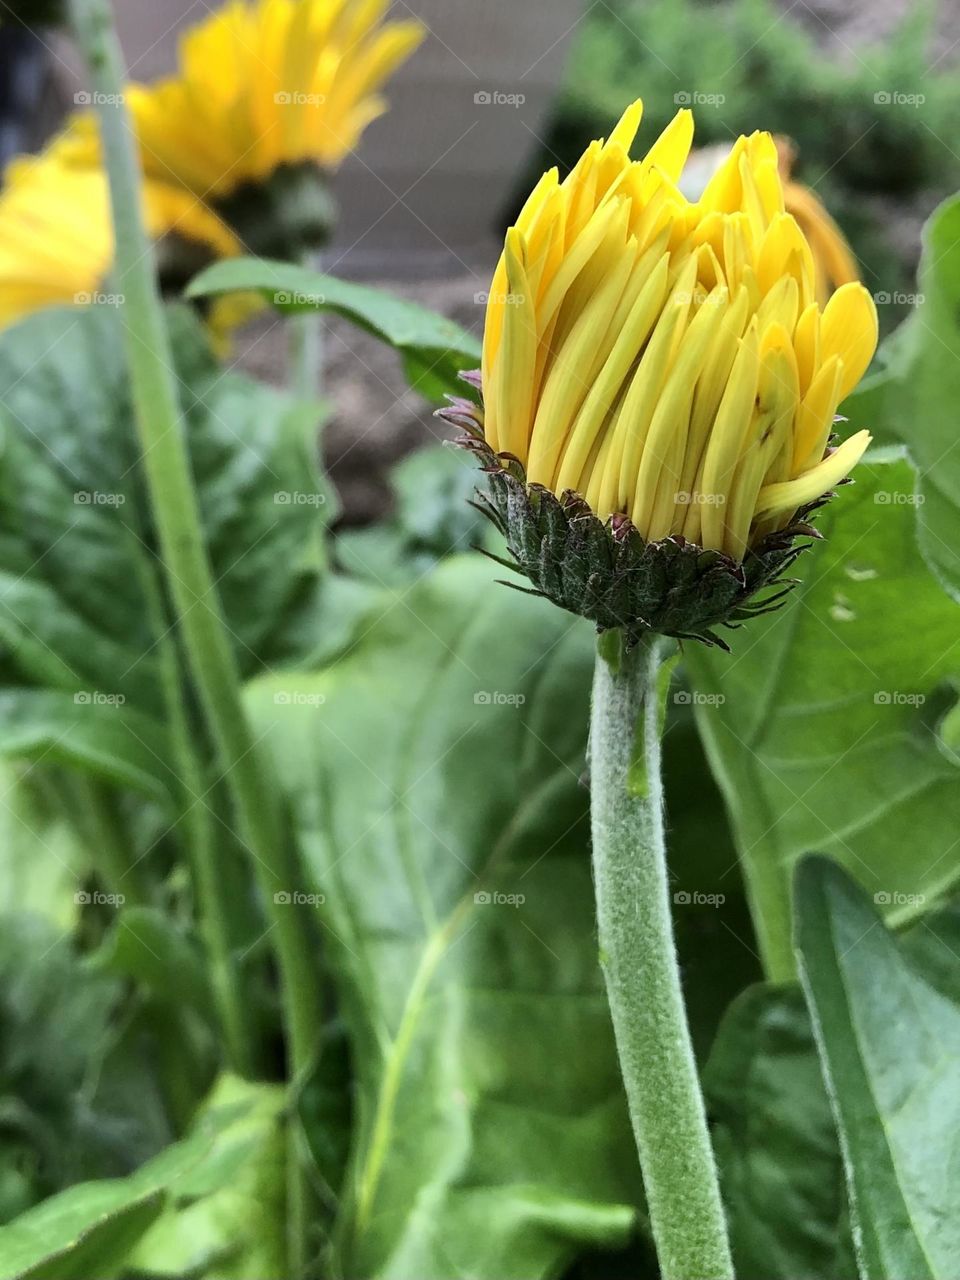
[
  {"x": 174, "y": 503},
  {"x": 640, "y": 967}
]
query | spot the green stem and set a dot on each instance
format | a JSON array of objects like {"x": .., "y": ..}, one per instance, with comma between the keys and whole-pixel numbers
[
  {"x": 768, "y": 893},
  {"x": 640, "y": 967},
  {"x": 305, "y": 348},
  {"x": 175, "y": 509},
  {"x": 194, "y": 825}
]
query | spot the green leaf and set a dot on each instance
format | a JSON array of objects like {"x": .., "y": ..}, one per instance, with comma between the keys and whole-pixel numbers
[
  {"x": 147, "y": 946},
  {"x": 89, "y": 729},
  {"x": 434, "y": 778},
  {"x": 75, "y": 537},
  {"x": 775, "y": 1141},
  {"x": 825, "y": 727},
  {"x": 914, "y": 400},
  {"x": 890, "y": 1046},
  {"x": 225, "y": 1218},
  {"x": 77, "y": 548},
  {"x": 434, "y": 349},
  {"x": 92, "y": 1228}
]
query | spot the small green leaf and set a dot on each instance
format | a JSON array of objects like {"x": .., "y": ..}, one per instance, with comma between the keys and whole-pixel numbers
[
  {"x": 90, "y": 1229},
  {"x": 434, "y": 349},
  {"x": 890, "y": 1048},
  {"x": 147, "y": 946}
]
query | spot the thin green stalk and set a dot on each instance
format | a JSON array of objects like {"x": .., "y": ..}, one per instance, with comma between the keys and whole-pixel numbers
[
  {"x": 305, "y": 348},
  {"x": 175, "y": 509},
  {"x": 194, "y": 825},
  {"x": 640, "y": 967}
]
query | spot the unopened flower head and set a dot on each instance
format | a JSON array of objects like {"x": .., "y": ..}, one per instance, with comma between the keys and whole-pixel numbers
[{"x": 663, "y": 365}]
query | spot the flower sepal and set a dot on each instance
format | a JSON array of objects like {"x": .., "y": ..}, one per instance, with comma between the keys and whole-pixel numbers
[
  {"x": 607, "y": 572},
  {"x": 284, "y": 216}
]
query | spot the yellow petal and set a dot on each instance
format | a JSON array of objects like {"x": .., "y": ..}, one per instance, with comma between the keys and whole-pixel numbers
[
  {"x": 849, "y": 329},
  {"x": 813, "y": 484}
]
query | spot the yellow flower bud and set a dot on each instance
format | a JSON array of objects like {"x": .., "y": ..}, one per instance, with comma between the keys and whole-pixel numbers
[{"x": 662, "y": 363}]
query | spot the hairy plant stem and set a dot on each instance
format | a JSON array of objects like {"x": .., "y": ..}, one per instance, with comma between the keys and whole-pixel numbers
[
  {"x": 192, "y": 589},
  {"x": 640, "y": 965}
]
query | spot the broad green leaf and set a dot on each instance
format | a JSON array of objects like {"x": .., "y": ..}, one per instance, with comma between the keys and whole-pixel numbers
[
  {"x": 88, "y": 729},
  {"x": 434, "y": 349},
  {"x": 75, "y": 535},
  {"x": 775, "y": 1141},
  {"x": 225, "y": 1218},
  {"x": 826, "y": 726},
  {"x": 890, "y": 1047},
  {"x": 434, "y": 778},
  {"x": 914, "y": 400},
  {"x": 91, "y": 1228}
]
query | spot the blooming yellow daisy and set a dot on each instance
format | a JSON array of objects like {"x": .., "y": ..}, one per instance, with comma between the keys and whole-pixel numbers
[
  {"x": 57, "y": 246},
  {"x": 267, "y": 84},
  {"x": 668, "y": 359}
]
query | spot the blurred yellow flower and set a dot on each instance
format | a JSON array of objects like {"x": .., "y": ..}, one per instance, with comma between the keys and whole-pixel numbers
[
  {"x": 276, "y": 82},
  {"x": 56, "y": 238},
  {"x": 667, "y": 359}
]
